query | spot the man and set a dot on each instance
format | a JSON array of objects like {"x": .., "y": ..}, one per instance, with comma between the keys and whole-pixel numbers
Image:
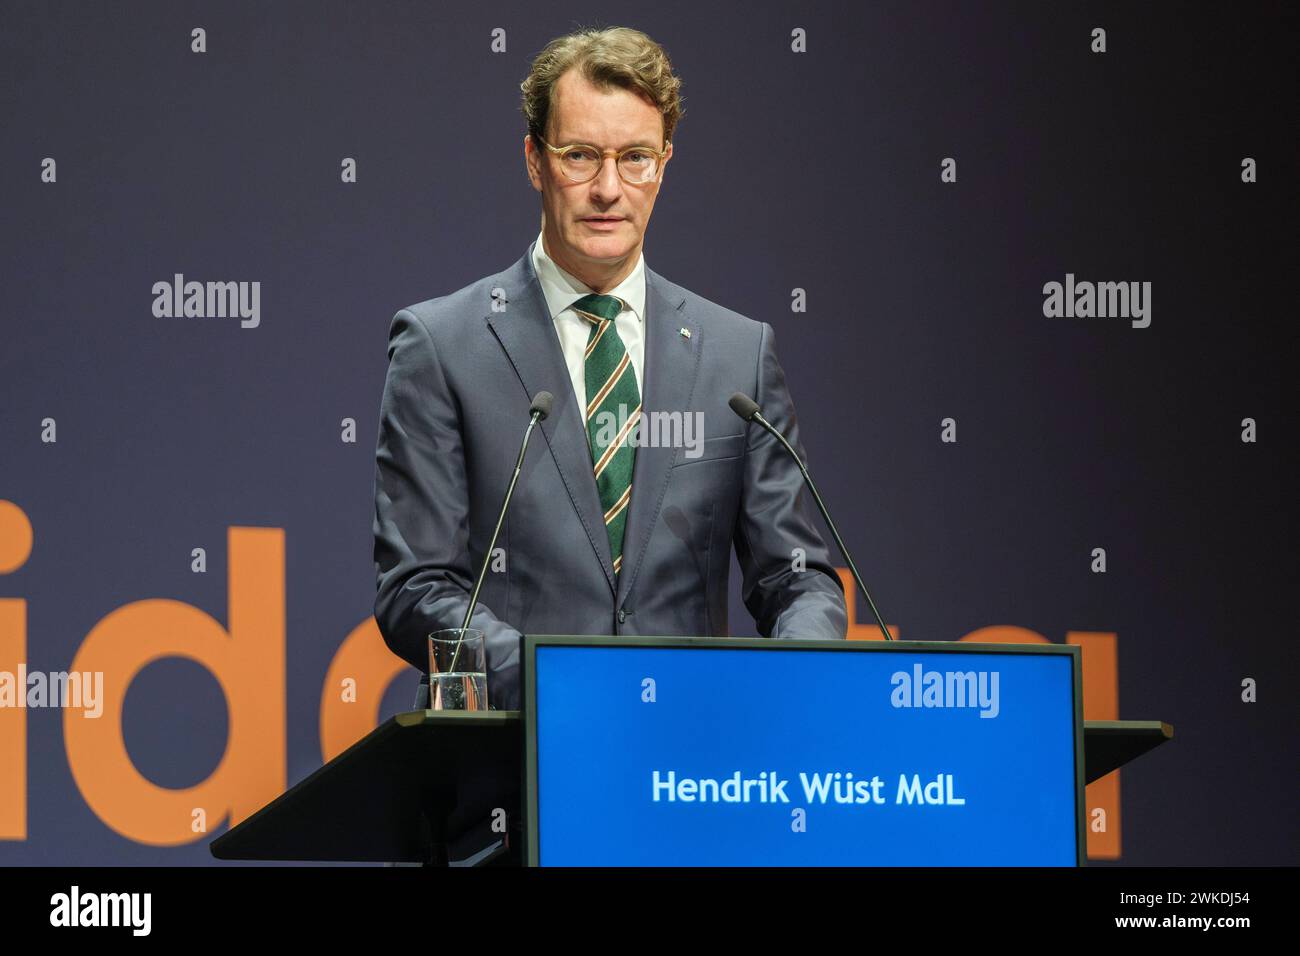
[{"x": 608, "y": 533}]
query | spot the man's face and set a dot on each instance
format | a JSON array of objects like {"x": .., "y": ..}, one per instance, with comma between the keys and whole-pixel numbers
[{"x": 593, "y": 228}]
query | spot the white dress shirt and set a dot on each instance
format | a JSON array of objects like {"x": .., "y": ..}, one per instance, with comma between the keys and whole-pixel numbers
[{"x": 562, "y": 290}]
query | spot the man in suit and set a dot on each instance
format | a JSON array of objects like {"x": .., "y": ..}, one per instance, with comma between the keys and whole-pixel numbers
[{"x": 609, "y": 530}]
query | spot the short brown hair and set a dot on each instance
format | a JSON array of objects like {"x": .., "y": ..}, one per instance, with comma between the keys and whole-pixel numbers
[{"x": 612, "y": 57}]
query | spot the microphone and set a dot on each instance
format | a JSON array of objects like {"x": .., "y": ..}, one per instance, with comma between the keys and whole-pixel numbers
[
  {"x": 538, "y": 411},
  {"x": 748, "y": 410}
]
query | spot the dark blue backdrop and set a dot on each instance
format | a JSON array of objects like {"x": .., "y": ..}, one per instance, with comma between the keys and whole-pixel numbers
[{"x": 818, "y": 171}]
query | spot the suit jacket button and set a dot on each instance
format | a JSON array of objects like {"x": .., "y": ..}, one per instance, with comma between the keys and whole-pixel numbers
[{"x": 622, "y": 615}]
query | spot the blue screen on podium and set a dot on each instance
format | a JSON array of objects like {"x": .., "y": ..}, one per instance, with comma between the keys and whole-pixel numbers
[{"x": 685, "y": 756}]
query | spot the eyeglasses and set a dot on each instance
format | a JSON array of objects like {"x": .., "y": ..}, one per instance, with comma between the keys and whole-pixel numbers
[{"x": 636, "y": 164}]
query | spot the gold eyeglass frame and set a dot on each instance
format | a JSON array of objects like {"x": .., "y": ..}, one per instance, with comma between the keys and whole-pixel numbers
[{"x": 619, "y": 154}]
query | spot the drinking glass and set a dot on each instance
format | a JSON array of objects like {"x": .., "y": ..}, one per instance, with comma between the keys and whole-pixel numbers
[{"x": 458, "y": 669}]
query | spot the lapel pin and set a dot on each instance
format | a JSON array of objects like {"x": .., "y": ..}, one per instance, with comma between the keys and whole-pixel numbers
[{"x": 685, "y": 332}]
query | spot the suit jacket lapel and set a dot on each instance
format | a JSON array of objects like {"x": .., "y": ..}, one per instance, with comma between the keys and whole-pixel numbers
[
  {"x": 527, "y": 334},
  {"x": 671, "y": 366}
]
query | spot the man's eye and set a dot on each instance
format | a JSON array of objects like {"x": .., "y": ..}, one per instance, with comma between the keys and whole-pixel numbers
[
  {"x": 578, "y": 155},
  {"x": 637, "y": 157}
]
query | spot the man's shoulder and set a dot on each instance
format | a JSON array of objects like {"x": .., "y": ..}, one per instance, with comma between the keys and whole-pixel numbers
[
  {"x": 472, "y": 303},
  {"x": 717, "y": 318}
]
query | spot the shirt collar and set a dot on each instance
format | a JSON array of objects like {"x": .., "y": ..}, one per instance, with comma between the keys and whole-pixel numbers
[{"x": 562, "y": 290}]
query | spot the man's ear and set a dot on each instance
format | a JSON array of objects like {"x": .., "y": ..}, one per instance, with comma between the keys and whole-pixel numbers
[
  {"x": 532, "y": 163},
  {"x": 663, "y": 163}
]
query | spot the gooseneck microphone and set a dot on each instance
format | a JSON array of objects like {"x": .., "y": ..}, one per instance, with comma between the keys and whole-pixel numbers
[
  {"x": 748, "y": 409},
  {"x": 540, "y": 408}
]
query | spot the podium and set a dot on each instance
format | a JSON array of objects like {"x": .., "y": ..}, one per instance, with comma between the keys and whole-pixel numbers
[
  {"x": 457, "y": 788},
  {"x": 422, "y": 787}
]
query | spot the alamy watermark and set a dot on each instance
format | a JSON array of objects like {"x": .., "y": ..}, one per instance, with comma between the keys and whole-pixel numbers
[
  {"x": 1102, "y": 300},
  {"x": 79, "y": 689},
  {"x": 133, "y": 911},
  {"x": 208, "y": 300},
  {"x": 655, "y": 429}
]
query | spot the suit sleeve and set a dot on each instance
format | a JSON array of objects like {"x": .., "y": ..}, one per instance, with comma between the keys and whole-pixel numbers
[
  {"x": 776, "y": 517},
  {"x": 422, "y": 557}
]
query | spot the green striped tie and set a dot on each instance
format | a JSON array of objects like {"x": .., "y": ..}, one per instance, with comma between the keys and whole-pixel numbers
[{"x": 613, "y": 411}]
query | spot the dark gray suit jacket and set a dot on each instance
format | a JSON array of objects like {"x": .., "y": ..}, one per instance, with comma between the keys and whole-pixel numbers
[{"x": 462, "y": 371}]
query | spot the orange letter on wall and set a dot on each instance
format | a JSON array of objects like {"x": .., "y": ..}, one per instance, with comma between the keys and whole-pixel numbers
[
  {"x": 1101, "y": 702},
  {"x": 15, "y": 547},
  {"x": 1100, "y": 682},
  {"x": 856, "y": 631},
  {"x": 365, "y": 660},
  {"x": 248, "y": 663}
]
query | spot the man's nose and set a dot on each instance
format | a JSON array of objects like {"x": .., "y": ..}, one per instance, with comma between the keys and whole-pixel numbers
[{"x": 608, "y": 184}]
